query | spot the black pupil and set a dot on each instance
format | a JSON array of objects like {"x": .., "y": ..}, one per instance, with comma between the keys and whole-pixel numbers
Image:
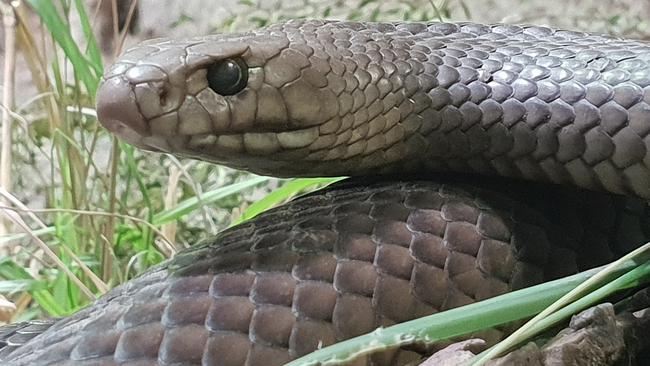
[{"x": 228, "y": 77}]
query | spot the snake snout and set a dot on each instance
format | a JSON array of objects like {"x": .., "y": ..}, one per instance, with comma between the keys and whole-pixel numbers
[{"x": 117, "y": 111}]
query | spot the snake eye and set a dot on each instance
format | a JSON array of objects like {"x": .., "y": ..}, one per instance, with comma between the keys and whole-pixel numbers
[{"x": 228, "y": 77}]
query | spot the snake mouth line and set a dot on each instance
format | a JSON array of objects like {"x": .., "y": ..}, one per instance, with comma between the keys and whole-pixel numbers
[{"x": 253, "y": 143}]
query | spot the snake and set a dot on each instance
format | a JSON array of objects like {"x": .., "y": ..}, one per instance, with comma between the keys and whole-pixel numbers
[{"x": 483, "y": 159}]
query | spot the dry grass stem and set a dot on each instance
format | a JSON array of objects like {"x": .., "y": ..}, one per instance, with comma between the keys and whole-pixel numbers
[
  {"x": 9, "y": 22},
  {"x": 101, "y": 285}
]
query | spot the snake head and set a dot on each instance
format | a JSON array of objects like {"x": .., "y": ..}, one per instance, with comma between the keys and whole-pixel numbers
[{"x": 293, "y": 99}]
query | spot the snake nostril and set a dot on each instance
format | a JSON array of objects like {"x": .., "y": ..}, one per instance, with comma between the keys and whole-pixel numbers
[
  {"x": 163, "y": 96},
  {"x": 168, "y": 97}
]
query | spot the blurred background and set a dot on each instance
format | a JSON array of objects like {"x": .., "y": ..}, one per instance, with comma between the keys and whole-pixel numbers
[{"x": 82, "y": 212}]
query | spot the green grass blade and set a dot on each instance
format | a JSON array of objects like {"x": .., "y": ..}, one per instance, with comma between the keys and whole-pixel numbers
[
  {"x": 281, "y": 194},
  {"x": 4, "y": 239},
  {"x": 92, "y": 50},
  {"x": 61, "y": 34},
  {"x": 21, "y": 285},
  {"x": 191, "y": 204},
  {"x": 134, "y": 173},
  {"x": 11, "y": 271},
  {"x": 587, "y": 293},
  {"x": 633, "y": 278},
  {"x": 455, "y": 322},
  {"x": 61, "y": 290},
  {"x": 48, "y": 303}
]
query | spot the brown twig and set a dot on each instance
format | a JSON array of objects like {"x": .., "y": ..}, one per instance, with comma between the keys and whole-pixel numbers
[
  {"x": 125, "y": 29},
  {"x": 171, "y": 200}
]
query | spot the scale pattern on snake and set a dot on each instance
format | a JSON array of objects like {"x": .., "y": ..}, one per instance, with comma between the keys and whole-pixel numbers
[{"x": 321, "y": 98}]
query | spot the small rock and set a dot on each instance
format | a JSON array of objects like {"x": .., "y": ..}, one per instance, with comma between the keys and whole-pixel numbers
[{"x": 457, "y": 353}]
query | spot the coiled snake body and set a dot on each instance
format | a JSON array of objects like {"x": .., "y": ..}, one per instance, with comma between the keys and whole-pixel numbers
[{"x": 327, "y": 98}]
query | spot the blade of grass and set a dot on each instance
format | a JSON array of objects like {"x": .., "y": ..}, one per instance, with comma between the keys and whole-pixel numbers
[
  {"x": 191, "y": 204},
  {"x": 9, "y": 286},
  {"x": 12, "y": 271},
  {"x": 9, "y": 72},
  {"x": 579, "y": 294},
  {"x": 281, "y": 194},
  {"x": 170, "y": 200},
  {"x": 20, "y": 223},
  {"x": 94, "y": 55},
  {"x": 109, "y": 228},
  {"x": 127, "y": 25},
  {"x": 63, "y": 37},
  {"x": 4, "y": 239},
  {"x": 631, "y": 279},
  {"x": 135, "y": 174},
  {"x": 455, "y": 322},
  {"x": 101, "y": 285},
  {"x": 37, "y": 65},
  {"x": 52, "y": 229}
]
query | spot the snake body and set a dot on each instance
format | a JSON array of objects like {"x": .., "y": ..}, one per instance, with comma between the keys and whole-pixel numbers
[
  {"x": 327, "y": 98},
  {"x": 339, "y": 263}
]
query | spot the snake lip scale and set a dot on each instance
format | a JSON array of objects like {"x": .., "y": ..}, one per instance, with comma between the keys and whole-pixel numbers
[{"x": 414, "y": 111}]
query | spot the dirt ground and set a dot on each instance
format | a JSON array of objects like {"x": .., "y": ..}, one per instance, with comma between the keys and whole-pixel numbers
[{"x": 630, "y": 17}]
